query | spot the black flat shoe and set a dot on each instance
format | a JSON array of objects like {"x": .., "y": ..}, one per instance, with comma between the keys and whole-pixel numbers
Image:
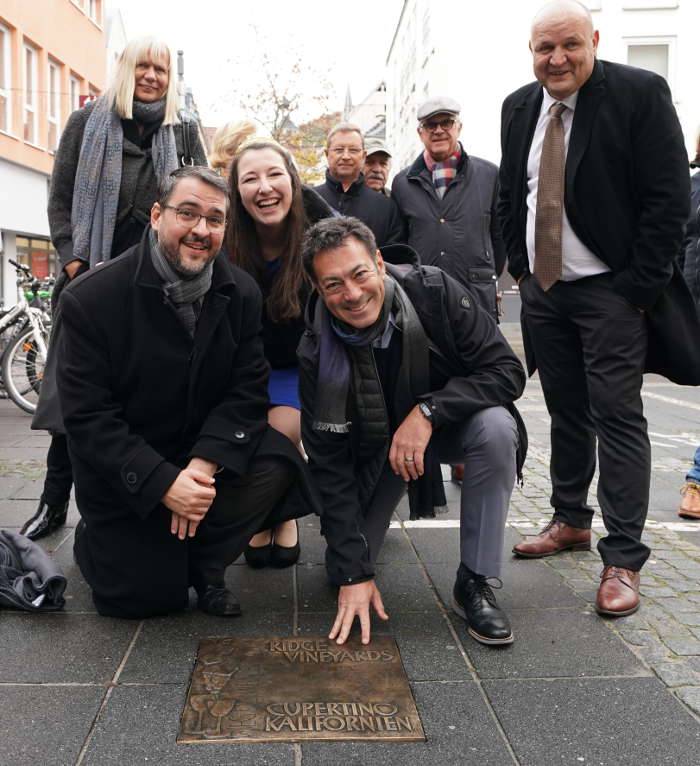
[
  {"x": 258, "y": 557},
  {"x": 47, "y": 519},
  {"x": 282, "y": 557},
  {"x": 219, "y": 601}
]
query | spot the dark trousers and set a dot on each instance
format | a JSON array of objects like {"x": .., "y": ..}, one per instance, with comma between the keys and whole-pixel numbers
[
  {"x": 590, "y": 347},
  {"x": 59, "y": 472},
  {"x": 137, "y": 568}
]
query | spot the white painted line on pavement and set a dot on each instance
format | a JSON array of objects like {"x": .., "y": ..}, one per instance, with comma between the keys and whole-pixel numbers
[
  {"x": 672, "y": 526},
  {"x": 670, "y": 400}
]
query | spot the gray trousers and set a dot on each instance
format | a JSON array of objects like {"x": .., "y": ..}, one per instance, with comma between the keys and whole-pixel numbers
[{"x": 486, "y": 443}]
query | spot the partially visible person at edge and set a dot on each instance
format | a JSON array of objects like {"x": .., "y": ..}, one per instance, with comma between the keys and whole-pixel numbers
[
  {"x": 269, "y": 211},
  {"x": 400, "y": 369},
  {"x": 377, "y": 166},
  {"x": 345, "y": 190},
  {"x": 163, "y": 385},
  {"x": 448, "y": 199},
  {"x": 226, "y": 141},
  {"x": 593, "y": 203},
  {"x": 690, "y": 491},
  {"x": 112, "y": 155}
]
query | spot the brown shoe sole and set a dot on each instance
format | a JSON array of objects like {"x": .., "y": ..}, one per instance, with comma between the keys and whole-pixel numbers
[
  {"x": 624, "y": 613},
  {"x": 575, "y": 547}
]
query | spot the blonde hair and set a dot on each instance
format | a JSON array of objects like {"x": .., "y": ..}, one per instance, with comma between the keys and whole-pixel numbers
[
  {"x": 227, "y": 141},
  {"x": 120, "y": 94}
]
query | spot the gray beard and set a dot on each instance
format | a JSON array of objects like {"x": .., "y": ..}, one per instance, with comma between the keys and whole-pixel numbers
[{"x": 178, "y": 266}]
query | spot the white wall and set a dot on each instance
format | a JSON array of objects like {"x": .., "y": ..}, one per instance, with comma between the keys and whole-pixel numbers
[
  {"x": 480, "y": 55},
  {"x": 23, "y": 211}
]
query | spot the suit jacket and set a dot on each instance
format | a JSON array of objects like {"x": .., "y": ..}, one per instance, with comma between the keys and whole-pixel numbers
[{"x": 626, "y": 197}]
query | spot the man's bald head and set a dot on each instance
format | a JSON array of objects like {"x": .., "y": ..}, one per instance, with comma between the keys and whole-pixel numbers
[
  {"x": 562, "y": 9},
  {"x": 563, "y": 45}
]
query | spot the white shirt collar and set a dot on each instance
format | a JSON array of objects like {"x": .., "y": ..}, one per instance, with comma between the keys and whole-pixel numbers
[{"x": 569, "y": 101}]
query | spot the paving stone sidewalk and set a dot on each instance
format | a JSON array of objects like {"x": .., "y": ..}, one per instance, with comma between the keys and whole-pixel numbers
[{"x": 76, "y": 688}]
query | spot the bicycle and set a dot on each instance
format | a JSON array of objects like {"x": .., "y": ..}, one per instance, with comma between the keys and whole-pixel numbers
[{"x": 24, "y": 357}]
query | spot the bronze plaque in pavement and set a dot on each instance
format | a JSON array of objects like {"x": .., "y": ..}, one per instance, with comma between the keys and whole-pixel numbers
[{"x": 298, "y": 689}]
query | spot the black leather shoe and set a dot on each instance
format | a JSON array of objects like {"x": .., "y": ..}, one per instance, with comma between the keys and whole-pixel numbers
[
  {"x": 258, "y": 557},
  {"x": 473, "y": 601},
  {"x": 281, "y": 556},
  {"x": 47, "y": 519},
  {"x": 218, "y": 600}
]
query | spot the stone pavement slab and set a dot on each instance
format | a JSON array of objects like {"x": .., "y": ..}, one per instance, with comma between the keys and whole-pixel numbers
[
  {"x": 601, "y": 721},
  {"x": 34, "y": 727}
]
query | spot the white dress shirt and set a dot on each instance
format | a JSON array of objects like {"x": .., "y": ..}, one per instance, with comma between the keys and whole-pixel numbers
[{"x": 577, "y": 260}]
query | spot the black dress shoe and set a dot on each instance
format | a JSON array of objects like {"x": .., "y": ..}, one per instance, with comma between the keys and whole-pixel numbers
[
  {"x": 281, "y": 556},
  {"x": 218, "y": 600},
  {"x": 46, "y": 520},
  {"x": 473, "y": 601},
  {"x": 258, "y": 557}
]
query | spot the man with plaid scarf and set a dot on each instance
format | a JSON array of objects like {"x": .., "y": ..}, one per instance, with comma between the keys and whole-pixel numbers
[{"x": 449, "y": 201}]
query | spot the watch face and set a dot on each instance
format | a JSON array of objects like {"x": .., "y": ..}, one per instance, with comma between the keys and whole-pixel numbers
[{"x": 426, "y": 411}]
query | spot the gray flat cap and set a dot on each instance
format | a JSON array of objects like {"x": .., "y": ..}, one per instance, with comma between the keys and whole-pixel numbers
[
  {"x": 373, "y": 145},
  {"x": 438, "y": 105}
]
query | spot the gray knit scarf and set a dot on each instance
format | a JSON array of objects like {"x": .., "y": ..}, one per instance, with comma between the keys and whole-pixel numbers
[
  {"x": 185, "y": 293},
  {"x": 99, "y": 174}
]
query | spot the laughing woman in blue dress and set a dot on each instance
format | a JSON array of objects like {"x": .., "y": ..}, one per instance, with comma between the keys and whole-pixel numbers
[{"x": 269, "y": 212}]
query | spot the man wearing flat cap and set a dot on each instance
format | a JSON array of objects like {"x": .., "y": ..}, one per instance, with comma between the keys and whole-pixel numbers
[
  {"x": 377, "y": 165},
  {"x": 448, "y": 199}
]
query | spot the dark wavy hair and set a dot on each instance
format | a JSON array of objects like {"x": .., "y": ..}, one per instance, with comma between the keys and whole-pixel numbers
[{"x": 243, "y": 248}]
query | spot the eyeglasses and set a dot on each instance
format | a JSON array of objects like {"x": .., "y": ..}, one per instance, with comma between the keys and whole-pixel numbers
[
  {"x": 353, "y": 150},
  {"x": 190, "y": 219},
  {"x": 446, "y": 124}
]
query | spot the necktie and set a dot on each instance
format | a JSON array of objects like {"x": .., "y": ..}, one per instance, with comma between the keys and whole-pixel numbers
[{"x": 550, "y": 201}]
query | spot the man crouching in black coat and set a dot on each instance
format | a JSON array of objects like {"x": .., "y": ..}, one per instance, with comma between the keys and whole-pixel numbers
[
  {"x": 163, "y": 390},
  {"x": 400, "y": 371}
]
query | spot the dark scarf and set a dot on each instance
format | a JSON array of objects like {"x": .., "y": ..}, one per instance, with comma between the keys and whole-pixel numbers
[
  {"x": 427, "y": 493},
  {"x": 99, "y": 173},
  {"x": 184, "y": 293}
]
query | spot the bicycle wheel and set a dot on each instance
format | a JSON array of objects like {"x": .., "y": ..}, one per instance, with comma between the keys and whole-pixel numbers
[{"x": 22, "y": 371}]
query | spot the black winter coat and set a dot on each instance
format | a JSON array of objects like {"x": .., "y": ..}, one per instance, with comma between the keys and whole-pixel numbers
[
  {"x": 458, "y": 233},
  {"x": 373, "y": 208},
  {"x": 626, "y": 197},
  {"x": 473, "y": 368}
]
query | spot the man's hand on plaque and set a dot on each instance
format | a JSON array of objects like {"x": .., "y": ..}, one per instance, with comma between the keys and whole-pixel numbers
[{"x": 354, "y": 601}]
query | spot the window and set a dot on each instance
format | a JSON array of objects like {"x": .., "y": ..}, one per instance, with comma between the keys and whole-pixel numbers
[
  {"x": 54, "y": 105},
  {"x": 30, "y": 93},
  {"x": 93, "y": 10},
  {"x": 5, "y": 79},
  {"x": 74, "y": 93},
  {"x": 654, "y": 57},
  {"x": 39, "y": 255}
]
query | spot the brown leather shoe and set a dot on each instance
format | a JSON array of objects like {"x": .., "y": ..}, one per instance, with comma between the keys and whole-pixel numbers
[
  {"x": 618, "y": 593},
  {"x": 690, "y": 504},
  {"x": 554, "y": 538}
]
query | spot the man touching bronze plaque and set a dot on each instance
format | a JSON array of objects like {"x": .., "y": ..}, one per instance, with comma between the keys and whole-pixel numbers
[{"x": 298, "y": 689}]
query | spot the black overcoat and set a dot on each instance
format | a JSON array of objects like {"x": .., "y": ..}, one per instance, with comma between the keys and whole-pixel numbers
[
  {"x": 140, "y": 397},
  {"x": 626, "y": 198}
]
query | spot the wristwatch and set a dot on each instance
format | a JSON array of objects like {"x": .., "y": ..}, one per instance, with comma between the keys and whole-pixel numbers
[{"x": 424, "y": 407}]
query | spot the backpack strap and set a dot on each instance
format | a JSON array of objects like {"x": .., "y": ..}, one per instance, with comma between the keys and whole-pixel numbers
[{"x": 187, "y": 158}]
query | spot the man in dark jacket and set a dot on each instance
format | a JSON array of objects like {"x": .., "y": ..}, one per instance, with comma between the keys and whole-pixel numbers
[
  {"x": 399, "y": 369},
  {"x": 594, "y": 198},
  {"x": 345, "y": 189},
  {"x": 162, "y": 383},
  {"x": 448, "y": 200}
]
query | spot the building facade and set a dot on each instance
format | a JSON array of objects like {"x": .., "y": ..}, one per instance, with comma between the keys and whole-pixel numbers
[
  {"x": 478, "y": 53},
  {"x": 52, "y": 58}
]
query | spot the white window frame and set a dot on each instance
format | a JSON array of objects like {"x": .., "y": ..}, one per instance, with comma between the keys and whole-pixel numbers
[
  {"x": 6, "y": 90},
  {"x": 30, "y": 105},
  {"x": 644, "y": 5},
  {"x": 92, "y": 11},
  {"x": 53, "y": 115},
  {"x": 74, "y": 90},
  {"x": 670, "y": 41}
]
